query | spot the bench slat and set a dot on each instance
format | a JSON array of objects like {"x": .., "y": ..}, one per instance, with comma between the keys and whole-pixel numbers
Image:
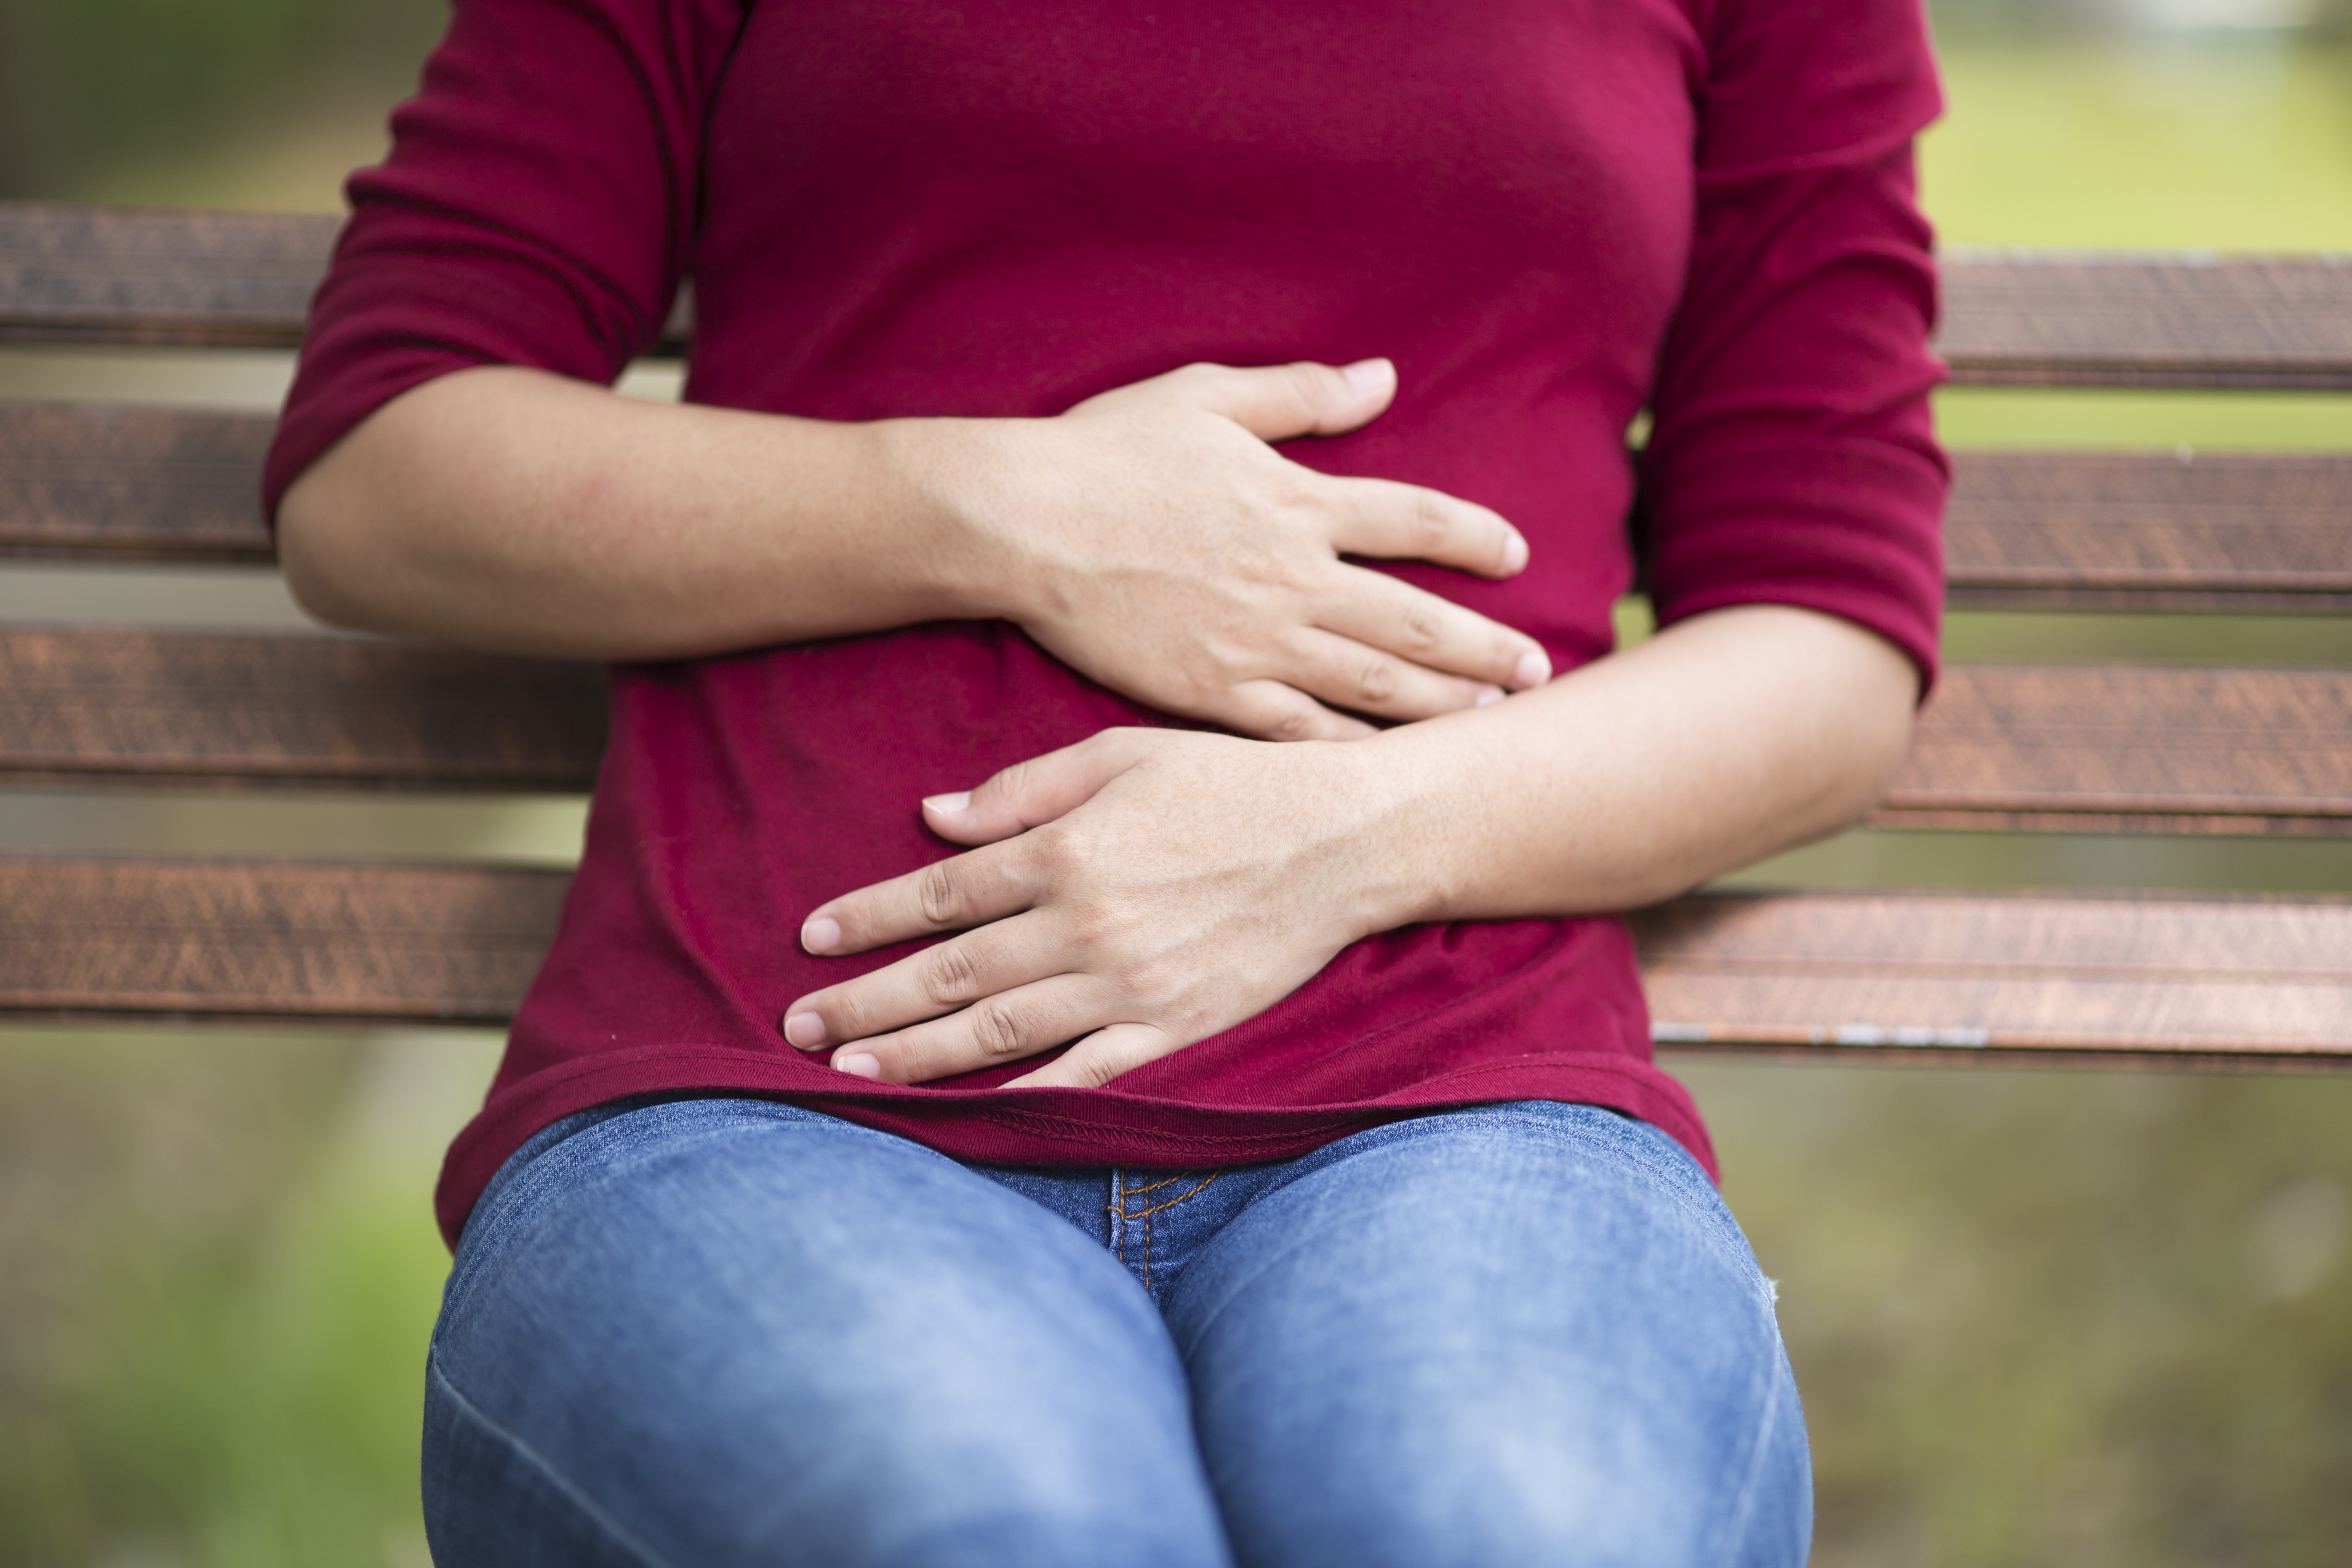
[
  {"x": 2167, "y": 977},
  {"x": 105, "y": 483},
  {"x": 183, "y": 277},
  {"x": 2092, "y": 748},
  {"x": 2150, "y": 531},
  {"x": 129, "y": 275},
  {"x": 2154, "y": 319},
  {"x": 2193, "y": 750},
  {"x": 171, "y": 708},
  {"x": 161, "y": 276},
  {"x": 288, "y": 939},
  {"x": 2027, "y": 530}
]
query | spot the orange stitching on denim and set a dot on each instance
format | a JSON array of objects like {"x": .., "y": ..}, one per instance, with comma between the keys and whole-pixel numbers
[{"x": 1144, "y": 1215}]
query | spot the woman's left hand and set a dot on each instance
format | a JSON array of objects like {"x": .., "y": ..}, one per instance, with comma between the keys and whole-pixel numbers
[{"x": 1136, "y": 892}]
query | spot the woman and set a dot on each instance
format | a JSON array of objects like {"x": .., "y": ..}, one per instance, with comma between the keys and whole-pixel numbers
[{"x": 1217, "y": 1123}]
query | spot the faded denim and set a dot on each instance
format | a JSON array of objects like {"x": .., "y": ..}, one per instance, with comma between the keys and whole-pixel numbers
[{"x": 729, "y": 1332}]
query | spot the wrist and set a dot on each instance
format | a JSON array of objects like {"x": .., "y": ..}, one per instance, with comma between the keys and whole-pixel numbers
[
  {"x": 1399, "y": 824},
  {"x": 950, "y": 479}
]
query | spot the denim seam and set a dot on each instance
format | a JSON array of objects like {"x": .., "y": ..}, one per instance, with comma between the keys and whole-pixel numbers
[
  {"x": 613, "y": 1530},
  {"x": 1118, "y": 1245}
]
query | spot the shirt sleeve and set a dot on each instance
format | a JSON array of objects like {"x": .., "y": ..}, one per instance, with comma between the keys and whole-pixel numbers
[
  {"x": 1791, "y": 457},
  {"x": 537, "y": 209}
]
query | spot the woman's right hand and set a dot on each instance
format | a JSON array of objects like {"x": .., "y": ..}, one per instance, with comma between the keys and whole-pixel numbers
[{"x": 1152, "y": 540}]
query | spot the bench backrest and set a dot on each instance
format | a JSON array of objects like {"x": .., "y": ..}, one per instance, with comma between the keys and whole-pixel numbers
[{"x": 2123, "y": 748}]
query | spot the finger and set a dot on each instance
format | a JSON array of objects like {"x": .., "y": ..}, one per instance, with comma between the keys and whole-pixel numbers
[
  {"x": 998, "y": 1028},
  {"x": 1100, "y": 1058},
  {"x": 1000, "y": 956},
  {"x": 1277, "y": 402},
  {"x": 968, "y": 890},
  {"x": 1348, "y": 674},
  {"x": 1029, "y": 794},
  {"x": 1379, "y": 612},
  {"x": 1270, "y": 710},
  {"x": 1392, "y": 521}
]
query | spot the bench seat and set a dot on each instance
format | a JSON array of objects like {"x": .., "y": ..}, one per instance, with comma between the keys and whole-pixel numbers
[{"x": 2020, "y": 975}]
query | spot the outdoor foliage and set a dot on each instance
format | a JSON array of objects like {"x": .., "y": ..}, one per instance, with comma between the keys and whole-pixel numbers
[{"x": 86, "y": 84}]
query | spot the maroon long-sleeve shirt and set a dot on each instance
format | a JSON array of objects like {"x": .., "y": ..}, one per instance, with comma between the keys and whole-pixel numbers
[{"x": 1549, "y": 213}]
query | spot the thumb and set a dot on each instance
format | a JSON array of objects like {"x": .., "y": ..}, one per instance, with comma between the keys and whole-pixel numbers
[
  {"x": 1028, "y": 793},
  {"x": 1278, "y": 402}
]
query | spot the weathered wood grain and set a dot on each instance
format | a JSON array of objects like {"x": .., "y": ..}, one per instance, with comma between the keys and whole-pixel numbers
[
  {"x": 2147, "y": 531},
  {"x": 176, "y": 708},
  {"x": 155, "y": 275},
  {"x": 2224, "y": 750},
  {"x": 109, "y": 483},
  {"x": 1923, "y": 972},
  {"x": 127, "y": 275},
  {"x": 2088, "y": 748},
  {"x": 173, "y": 276},
  {"x": 2024, "y": 318},
  {"x": 2027, "y": 530},
  {"x": 1816, "y": 971},
  {"x": 383, "y": 942}
]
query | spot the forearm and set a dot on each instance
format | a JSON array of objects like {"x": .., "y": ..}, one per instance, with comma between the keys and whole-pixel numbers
[
  {"x": 512, "y": 509},
  {"x": 1720, "y": 741}
]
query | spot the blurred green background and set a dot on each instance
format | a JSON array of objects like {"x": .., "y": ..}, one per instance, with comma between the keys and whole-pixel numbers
[{"x": 2039, "y": 1317}]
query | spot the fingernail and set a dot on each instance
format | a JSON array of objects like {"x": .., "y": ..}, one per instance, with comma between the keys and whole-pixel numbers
[
  {"x": 1514, "y": 554},
  {"x": 805, "y": 1030},
  {"x": 1533, "y": 671},
  {"x": 822, "y": 935},
  {"x": 947, "y": 805},
  {"x": 857, "y": 1064},
  {"x": 1370, "y": 375},
  {"x": 1489, "y": 694}
]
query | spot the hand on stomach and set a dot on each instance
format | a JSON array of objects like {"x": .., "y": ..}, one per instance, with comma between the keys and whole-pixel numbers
[
  {"x": 1151, "y": 539},
  {"x": 1137, "y": 892}
]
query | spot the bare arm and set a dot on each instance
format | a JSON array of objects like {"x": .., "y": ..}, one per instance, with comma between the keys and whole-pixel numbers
[
  {"x": 1150, "y": 537},
  {"x": 1145, "y": 889}
]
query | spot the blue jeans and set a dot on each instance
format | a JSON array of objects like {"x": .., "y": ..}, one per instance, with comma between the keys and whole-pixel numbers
[{"x": 728, "y": 1331}]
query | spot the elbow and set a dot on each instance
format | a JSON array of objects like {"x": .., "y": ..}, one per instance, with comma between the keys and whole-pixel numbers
[
  {"x": 1871, "y": 746},
  {"x": 313, "y": 554},
  {"x": 1879, "y": 762}
]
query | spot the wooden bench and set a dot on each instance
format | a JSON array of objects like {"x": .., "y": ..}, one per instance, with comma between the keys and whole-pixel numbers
[{"x": 2138, "y": 749}]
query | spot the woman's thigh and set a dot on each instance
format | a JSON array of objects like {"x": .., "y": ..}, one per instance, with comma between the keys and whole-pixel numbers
[
  {"x": 725, "y": 1332},
  {"x": 1524, "y": 1333}
]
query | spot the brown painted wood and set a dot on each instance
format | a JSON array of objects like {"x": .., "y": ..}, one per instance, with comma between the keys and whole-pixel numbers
[
  {"x": 2091, "y": 749},
  {"x": 255, "y": 939},
  {"x": 132, "y": 484},
  {"x": 2150, "y": 531},
  {"x": 155, "y": 275},
  {"x": 129, "y": 275},
  {"x": 2185, "y": 979},
  {"x": 2024, "y": 318},
  {"x": 2034, "y": 745},
  {"x": 173, "y": 276},
  {"x": 1986, "y": 974},
  {"x": 176, "y": 708},
  {"x": 2027, "y": 530}
]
